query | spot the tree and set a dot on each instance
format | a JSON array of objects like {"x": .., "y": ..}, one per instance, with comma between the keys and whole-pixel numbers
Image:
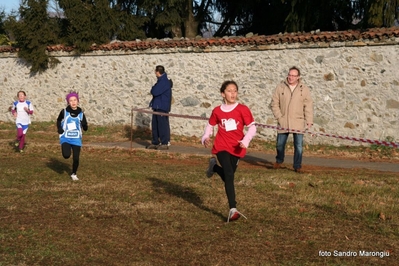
[
  {"x": 168, "y": 18},
  {"x": 260, "y": 16},
  {"x": 382, "y": 13},
  {"x": 171, "y": 16},
  {"x": 33, "y": 32},
  {"x": 2, "y": 18},
  {"x": 87, "y": 22},
  {"x": 130, "y": 20},
  {"x": 233, "y": 13},
  {"x": 341, "y": 14},
  {"x": 307, "y": 15},
  {"x": 4, "y": 40},
  {"x": 268, "y": 18},
  {"x": 81, "y": 23}
]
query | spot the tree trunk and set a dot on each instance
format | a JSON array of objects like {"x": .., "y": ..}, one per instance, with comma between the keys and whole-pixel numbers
[{"x": 190, "y": 24}]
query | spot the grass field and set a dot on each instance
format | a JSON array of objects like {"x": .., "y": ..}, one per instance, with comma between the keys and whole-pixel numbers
[{"x": 139, "y": 207}]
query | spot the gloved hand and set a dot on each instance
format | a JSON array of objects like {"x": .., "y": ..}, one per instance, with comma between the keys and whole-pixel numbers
[{"x": 60, "y": 130}]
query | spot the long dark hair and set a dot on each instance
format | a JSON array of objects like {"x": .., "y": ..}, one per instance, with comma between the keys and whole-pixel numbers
[{"x": 227, "y": 83}]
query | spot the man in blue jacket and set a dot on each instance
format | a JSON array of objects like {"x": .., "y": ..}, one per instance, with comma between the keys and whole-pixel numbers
[{"x": 161, "y": 102}]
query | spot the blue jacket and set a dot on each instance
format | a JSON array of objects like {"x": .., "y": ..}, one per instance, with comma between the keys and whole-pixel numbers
[{"x": 162, "y": 94}]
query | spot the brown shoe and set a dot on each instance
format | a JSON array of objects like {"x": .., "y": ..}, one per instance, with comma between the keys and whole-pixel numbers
[
  {"x": 276, "y": 165},
  {"x": 299, "y": 171}
]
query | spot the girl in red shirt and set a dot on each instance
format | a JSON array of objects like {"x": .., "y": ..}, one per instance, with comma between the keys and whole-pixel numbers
[{"x": 230, "y": 142}]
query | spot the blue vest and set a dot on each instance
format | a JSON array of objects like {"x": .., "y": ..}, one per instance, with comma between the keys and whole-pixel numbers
[{"x": 72, "y": 129}]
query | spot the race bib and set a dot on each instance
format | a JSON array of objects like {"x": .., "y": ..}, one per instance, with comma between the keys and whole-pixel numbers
[
  {"x": 71, "y": 126},
  {"x": 230, "y": 125}
]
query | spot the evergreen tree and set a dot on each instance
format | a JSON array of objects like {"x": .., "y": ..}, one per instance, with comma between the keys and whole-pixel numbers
[
  {"x": 89, "y": 22},
  {"x": 2, "y": 18},
  {"x": 174, "y": 18},
  {"x": 3, "y": 37},
  {"x": 131, "y": 20},
  {"x": 268, "y": 18},
  {"x": 326, "y": 15},
  {"x": 257, "y": 16},
  {"x": 84, "y": 23},
  {"x": 33, "y": 32},
  {"x": 382, "y": 13},
  {"x": 234, "y": 14},
  {"x": 166, "y": 17}
]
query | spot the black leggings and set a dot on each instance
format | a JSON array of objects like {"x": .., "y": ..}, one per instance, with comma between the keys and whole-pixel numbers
[
  {"x": 226, "y": 171},
  {"x": 66, "y": 153}
]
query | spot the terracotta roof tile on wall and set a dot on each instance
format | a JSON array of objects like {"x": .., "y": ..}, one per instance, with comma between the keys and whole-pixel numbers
[{"x": 374, "y": 35}]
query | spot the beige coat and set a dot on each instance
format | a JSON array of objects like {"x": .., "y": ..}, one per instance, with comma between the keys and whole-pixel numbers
[{"x": 292, "y": 110}]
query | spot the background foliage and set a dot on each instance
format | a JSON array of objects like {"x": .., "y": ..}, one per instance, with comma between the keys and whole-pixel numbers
[{"x": 81, "y": 23}]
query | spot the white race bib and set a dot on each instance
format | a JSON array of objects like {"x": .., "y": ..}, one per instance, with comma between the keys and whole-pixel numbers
[
  {"x": 71, "y": 126},
  {"x": 230, "y": 125}
]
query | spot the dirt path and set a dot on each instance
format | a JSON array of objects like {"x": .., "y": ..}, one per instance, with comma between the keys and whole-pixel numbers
[{"x": 267, "y": 159}]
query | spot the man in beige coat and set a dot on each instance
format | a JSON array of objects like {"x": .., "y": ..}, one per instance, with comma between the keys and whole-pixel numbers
[{"x": 292, "y": 106}]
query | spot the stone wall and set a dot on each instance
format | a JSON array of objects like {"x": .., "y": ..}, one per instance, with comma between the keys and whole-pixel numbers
[{"x": 355, "y": 88}]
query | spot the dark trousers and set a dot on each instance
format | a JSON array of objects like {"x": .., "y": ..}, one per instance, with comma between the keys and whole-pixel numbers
[
  {"x": 66, "y": 149},
  {"x": 160, "y": 128},
  {"x": 226, "y": 171}
]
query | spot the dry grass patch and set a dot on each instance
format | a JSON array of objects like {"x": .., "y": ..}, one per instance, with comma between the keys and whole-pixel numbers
[{"x": 151, "y": 208}]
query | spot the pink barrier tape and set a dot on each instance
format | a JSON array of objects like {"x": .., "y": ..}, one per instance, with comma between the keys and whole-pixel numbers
[
  {"x": 370, "y": 141},
  {"x": 142, "y": 110},
  {"x": 377, "y": 142}
]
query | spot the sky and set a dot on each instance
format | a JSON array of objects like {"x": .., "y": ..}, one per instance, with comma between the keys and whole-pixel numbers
[{"x": 8, "y": 5}]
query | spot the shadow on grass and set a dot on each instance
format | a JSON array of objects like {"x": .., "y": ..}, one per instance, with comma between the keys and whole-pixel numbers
[
  {"x": 143, "y": 133},
  {"x": 58, "y": 166},
  {"x": 182, "y": 192},
  {"x": 14, "y": 145},
  {"x": 255, "y": 160},
  {"x": 144, "y": 143}
]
